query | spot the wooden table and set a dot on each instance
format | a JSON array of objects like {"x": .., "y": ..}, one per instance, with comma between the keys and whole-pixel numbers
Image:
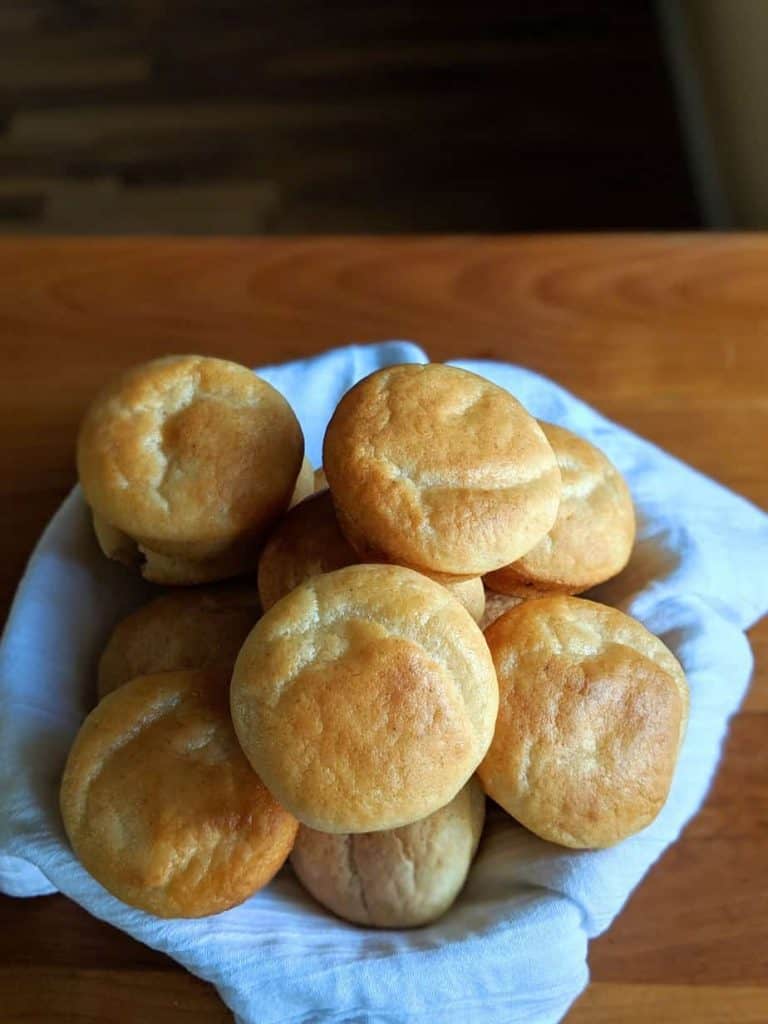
[{"x": 666, "y": 334}]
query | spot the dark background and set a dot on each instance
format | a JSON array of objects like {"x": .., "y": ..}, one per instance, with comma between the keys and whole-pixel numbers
[{"x": 126, "y": 116}]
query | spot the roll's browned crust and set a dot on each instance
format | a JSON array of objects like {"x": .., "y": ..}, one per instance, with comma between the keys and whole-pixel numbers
[
  {"x": 365, "y": 698},
  {"x": 160, "y": 804},
  {"x": 594, "y": 531},
  {"x": 591, "y": 717},
  {"x": 186, "y": 462},
  {"x": 186, "y": 629},
  {"x": 401, "y": 878},
  {"x": 438, "y": 469}
]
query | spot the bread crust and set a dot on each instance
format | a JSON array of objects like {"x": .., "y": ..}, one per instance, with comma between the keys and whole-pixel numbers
[
  {"x": 399, "y": 878},
  {"x": 160, "y": 804},
  {"x": 439, "y": 469},
  {"x": 365, "y": 698},
  {"x": 592, "y": 713},
  {"x": 191, "y": 459}
]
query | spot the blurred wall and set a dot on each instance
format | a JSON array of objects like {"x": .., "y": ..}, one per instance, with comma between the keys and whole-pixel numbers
[
  {"x": 720, "y": 51},
  {"x": 285, "y": 116}
]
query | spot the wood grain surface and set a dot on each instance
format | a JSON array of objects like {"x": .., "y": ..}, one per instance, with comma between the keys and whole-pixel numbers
[{"x": 666, "y": 334}]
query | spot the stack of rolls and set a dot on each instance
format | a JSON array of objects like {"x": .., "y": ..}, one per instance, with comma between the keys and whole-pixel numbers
[{"x": 363, "y": 663}]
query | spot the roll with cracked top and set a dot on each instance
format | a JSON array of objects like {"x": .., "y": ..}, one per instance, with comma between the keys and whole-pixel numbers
[
  {"x": 365, "y": 698},
  {"x": 160, "y": 804},
  {"x": 592, "y": 714},
  {"x": 186, "y": 462},
  {"x": 439, "y": 469}
]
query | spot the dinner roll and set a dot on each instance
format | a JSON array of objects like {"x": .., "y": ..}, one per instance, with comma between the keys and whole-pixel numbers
[
  {"x": 308, "y": 541},
  {"x": 305, "y": 483},
  {"x": 591, "y": 716},
  {"x": 161, "y": 806},
  {"x": 365, "y": 698},
  {"x": 186, "y": 462},
  {"x": 321, "y": 483},
  {"x": 399, "y": 878},
  {"x": 187, "y": 629},
  {"x": 592, "y": 537},
  {"x": 439, "y": 469}
]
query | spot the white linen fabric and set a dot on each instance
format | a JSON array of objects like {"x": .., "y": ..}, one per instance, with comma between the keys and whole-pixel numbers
[{"x": 514, "y": 946}]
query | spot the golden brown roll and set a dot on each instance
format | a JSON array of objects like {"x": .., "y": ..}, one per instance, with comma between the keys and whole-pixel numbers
[
  {"x": 186, "y": 462},
  {"x": 591, "y": 716},
  {"x": 187, "y": 629},
  {"x": 495, "y": 606},
  {"x": 437, "y": 468},
  {"x": 365, "y": 698},
  {"x": 592, "y": 537},
  {"x": 305, "y": 483},
  {"x": 401, "y": 878},
  {"x": 307, "y": 541},
  {"x": 321, "y": 484},
  {"x": 160, "y": 804}
]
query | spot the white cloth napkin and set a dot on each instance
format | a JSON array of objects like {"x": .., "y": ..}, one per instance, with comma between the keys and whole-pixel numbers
[{"x": 514, "y": 947}]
